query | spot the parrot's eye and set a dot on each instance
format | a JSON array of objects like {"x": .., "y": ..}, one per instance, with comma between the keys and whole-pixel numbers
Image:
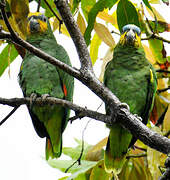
[
  {"x": 43, "y": 18},
  {"x": 132, "y": 27}
]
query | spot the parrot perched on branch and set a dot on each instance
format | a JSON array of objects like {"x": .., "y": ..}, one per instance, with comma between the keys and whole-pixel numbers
[
  {"x": 38, "y": 78},
  {"x": 132, "y": 79}
]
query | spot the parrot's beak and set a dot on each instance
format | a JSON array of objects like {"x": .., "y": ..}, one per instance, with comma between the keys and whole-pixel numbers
[
  {"x": 34, "y": 25},
  {"x": 130, "y": 37}
]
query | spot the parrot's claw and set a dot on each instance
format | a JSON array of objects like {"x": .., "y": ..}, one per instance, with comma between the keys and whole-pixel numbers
[
  {"x": 138, "y": 117},
  {"x": 32, "y": 99},
  {"x": 124, "y": 105},
  {"x": 44, "y": 96}
]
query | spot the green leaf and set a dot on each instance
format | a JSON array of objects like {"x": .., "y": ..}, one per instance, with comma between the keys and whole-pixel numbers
[
  {"x": 94, "y": 48},
  {"x": 76, "y": 170},
  {"x": 161, "y": 26},
  {"x": 154, "y": 158},
  {"x": 74, "y": 152},
  {"x": 48, "y": 12},
  {"x": 99, "y": 6},
  {"x": 166, "y": 2},
  {"x": 126, "y": 14},
  {"x": 98, "y": 172},
  {"x": 146, "y": 2},
  {"x": 86, "y": 6},
  {"x": 4, "y": 55},
  {"x": 157, "y": 49},
  {"x": 75, "y": 5}
]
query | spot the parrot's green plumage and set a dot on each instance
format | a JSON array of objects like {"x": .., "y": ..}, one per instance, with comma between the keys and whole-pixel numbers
[
  {"x": 132, "y": 79},
  {"x": 41, "y": 78}
]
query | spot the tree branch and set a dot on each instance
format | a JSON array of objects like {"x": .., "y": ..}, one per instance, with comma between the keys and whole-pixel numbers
[
  {"x": 15, "y": 102},
  {"x": 75, "y": 33},
  {"x": 130, "y": 122},
  {"x": 87, "y": 77},
  {"x": 51, "y": 9},
  {"x": 155, "y": 36}
]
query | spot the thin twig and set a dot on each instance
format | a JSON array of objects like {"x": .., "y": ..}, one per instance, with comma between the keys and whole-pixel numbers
[
  {"x": 167, "y": 134},
  {"x": 136, "y": 155},
  {"x": 10, "y": 114},
  {"x": 162, "y": 71},
  {"x": 39, "y": 5},
  {"x": 51, "y": 9},
  {"x": 137, "y": 147},
  {"x": 155, "y": 36},
  {"x": 82, "y": 149},
  {"x": 115, "y": 32},
  {"x": 163, "y": 90}
]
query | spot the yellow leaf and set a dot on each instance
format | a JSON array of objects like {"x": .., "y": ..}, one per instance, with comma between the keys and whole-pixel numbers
[
  {"x": 158, "y": 15},
  {"x": 81, "y": 23},
  {"x": 94, "y": 47},
  {"x": 99, "y": 173},
  {"x": 20, "y": 10},
  {"x": 96, "y": 152},
  {"x": 149, "y": 54},
  {"x": 166, "y": 124},
  {"x": 55, "y": 24},
  {"x": 104, "y": 34},
  {"x": 108, "y": 57},
  {"x": 154, "y": 158},
  {"x": 99, "y": 145},
  {"x": 106, "y": 17},
  {"x": 154, "y": 1}
]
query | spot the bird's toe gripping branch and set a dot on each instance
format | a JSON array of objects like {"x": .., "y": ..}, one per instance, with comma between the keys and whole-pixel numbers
[{"x": 33, "y": 97}]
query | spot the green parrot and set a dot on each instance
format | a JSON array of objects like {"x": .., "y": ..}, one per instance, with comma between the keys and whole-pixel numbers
[
  {"x": 132, "y": 79},
  {"x": 38, "y": 78}
]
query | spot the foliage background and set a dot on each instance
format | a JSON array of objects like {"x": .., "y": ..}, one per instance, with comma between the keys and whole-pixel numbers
[{"x": 20, "y": 144}]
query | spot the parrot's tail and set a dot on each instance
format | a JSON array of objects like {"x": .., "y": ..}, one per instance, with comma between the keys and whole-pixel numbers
[
  {"x": 50, "y": 151},
  {"x": 116, "y": 149}
]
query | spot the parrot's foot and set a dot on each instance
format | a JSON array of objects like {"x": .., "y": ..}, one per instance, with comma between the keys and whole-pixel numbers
[
  {"x": 138, "y": 117},
  {"x": 32, "y": 99},
  {"x": 124, "y": 105},
  {"x": 44, "y": 96}
]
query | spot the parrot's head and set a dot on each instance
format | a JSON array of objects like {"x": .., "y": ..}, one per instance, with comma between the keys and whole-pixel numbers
[
  {"x": 37, "y": 23},
  {"x": 130, "y": 35}
]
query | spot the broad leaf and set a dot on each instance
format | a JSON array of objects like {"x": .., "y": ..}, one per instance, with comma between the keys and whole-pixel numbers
[
  {"x": 154, "y": 158},
  {"x": 108, "y": 57},
  {"x": 76, "y": 170},
  {"x": 81, "y": 23},
  {"x": 94, "y": 48},
  {"x": 98, "y": 7},
  {"x": 86, "y": 7},
  {"x": 98, "y": 172},
  {"x": 106, "y": 17},
  {"x": 20, "y": 10},
  {"x": 104, "y": 34},
  {"x": 166, "y": 124},
  {"x": 157, "y": 49},
  {"x": 6, "y": 56},
  {"x": 126, "y": 14}
]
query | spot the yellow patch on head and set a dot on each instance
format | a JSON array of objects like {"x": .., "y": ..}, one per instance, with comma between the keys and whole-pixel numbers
[
  {"x": 43, "y": 26},
  {"x": 123, "y": 40}
]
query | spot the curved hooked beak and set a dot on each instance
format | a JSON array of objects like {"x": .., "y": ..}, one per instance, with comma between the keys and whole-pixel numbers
[
  {"x": 130, "y": 37},
  {"x": 34, "y": 25}
]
